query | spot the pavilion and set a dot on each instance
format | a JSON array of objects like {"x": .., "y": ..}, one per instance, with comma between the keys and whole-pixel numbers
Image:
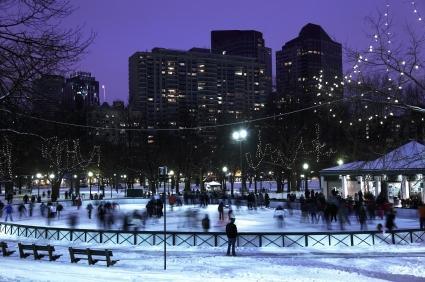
[{"x": 403, "y": 170}]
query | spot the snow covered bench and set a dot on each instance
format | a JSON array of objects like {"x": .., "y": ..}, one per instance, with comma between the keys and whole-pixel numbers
[
  {"x": 88, "y": 255},
  {"x": 4, "y": 250},
  {"x": 35, "y": 251}
]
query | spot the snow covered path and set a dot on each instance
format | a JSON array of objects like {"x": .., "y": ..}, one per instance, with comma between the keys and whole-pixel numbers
[{"x": 389, "y": 263}]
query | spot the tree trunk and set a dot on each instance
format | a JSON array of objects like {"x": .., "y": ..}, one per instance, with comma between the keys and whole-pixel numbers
[
  {"x": 187, "y": 184},
  {"x": 55, "y": 190}
]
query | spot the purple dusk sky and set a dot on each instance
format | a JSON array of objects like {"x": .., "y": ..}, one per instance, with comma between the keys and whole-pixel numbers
[{"x": 126, "y": 26}]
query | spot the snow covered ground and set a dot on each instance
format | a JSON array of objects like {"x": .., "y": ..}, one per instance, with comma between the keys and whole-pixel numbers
[
  {"x": 389, "y": 263},
  {"x": 145, "y": 263}
]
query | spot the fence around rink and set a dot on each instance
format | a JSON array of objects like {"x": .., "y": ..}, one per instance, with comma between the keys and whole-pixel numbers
[{"x": 216, "y": 239}]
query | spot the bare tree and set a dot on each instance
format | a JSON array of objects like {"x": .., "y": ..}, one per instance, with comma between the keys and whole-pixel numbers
[
  {"x": 255, "y": 161},
  {"x": 32, "y": 43},
  {"x": 390, "y": 65},
  {"x": 64, "y": 157}
]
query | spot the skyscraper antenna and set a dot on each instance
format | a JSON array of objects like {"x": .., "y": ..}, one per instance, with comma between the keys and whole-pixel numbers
[{"x": 104, "y": 93}]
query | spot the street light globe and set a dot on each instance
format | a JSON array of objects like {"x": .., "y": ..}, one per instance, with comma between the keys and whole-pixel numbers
[
  {"x": 51, "y": 176},
  {"x": 125, "y": 175},
  {"x": 171, "y": 173},
  {"x": 75, "y": 176},
  {"x": 224, "y": 169},
  {"x": 90, "y": 174},
  {"x": 243, "y": 133},
  {"x": 305, "y": 166},
  {"x": 340, "y": 162},
  {"x": 39, "y": 175},
  {"x": 236, "y": 135}
]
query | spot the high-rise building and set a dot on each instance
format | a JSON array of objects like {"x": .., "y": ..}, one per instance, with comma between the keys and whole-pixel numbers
[
  {"x": 82, "y": 91},
  {"x": 173, "y": 88},
  {"x": 48, "y": 95},
  {"x": 245, "y": 43},
  {"x": 309, "y": 67},
  {"x": 113, "y": 119}
]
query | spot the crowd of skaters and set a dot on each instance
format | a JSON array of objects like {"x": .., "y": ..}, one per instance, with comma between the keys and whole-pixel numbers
[{"x": 314, "y": 209}]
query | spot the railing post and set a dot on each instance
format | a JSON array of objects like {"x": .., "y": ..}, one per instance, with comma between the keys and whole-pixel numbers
[
  {"x": 71, "y": 232},
  {"x": 260, "y": 238},
  {"x": 392, "y": 237},
  {"x": 306, "y": 239},
  {"x": 215, "y": 240},
  {"x": 352, "y": 239},
  {"x": 101, "y": 237},
  {"x": 411, "y": 236},
  {"x": 135, "y": 238}
]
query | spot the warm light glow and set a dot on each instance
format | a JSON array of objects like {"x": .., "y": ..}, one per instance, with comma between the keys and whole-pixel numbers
[
  {"x": 224, "y": 169},
  {"x": 51, "y": 176},
  {"x": 340, "y": 162},
  {"x": 171, "y": 173},
  {"x": 75, "y": 176},
  {"x": 90, "y": 174},
  {"x": 305, "y": 166},
  {"x": 39, "y": 175}
]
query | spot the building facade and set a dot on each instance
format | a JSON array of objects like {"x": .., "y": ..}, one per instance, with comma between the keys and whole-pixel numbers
[
  {"x": 82, "y": 91},
  {"x": 245, "y": 43},
  {"x": 173, "y": 88},
  {"x": 309, "y": 67},
  {"x": 48, "y": 95}
]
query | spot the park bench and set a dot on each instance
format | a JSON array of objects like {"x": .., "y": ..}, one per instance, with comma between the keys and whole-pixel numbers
[
  {"x": 4, "y": 250},
  {"x": 36, "y": 249},
  {"x": 88, "y": 254}
]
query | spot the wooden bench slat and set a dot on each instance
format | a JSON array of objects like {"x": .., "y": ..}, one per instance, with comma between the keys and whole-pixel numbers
[
  {"x": 35, "y": 251},
  {"x": 89, "y": 254}
]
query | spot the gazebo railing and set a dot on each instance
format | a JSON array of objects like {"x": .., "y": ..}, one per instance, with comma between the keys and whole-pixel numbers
[{"x": 216, "y": 239}]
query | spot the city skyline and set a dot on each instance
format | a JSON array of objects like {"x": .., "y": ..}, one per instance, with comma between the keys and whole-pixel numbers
[{"x": 125, "y": 29}]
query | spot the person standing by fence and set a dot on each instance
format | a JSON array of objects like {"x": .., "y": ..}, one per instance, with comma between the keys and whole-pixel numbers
[{"x": 232, "y": 233}]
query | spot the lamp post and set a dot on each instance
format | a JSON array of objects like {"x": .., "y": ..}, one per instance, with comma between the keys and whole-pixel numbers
[
  {"x": 240, "y": 136},
  {"x": 90, "y": 174},
  {"x": 224, "y": 169},
  {"x": 170, "y": 180},
  {"x": 305, "y": 167},
  {"x": 340, "y": 162},
  {"x": 73, "y": 182},
  {"x": 125, "y": 184},
  {"x": 38, "y": 176}
]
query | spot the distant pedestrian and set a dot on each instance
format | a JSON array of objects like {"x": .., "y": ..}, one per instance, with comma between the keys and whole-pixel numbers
[
  {"x": 43, "y": 209},
  {"x": 362, "y": 218},
  {"x": 206, "y": 223},
  {"x": 221, "y": 211},
  {"x": 31, "y": 208},
  {"x": 390, "y": 220},
  {"x": 421, "y": 214},
  {"x": 232, "y": 233},
  {"x": 1, "y": 209},
  {"x": 22, "y": 210},
  {"x": 266, "y": 200},
  {"x": 9, "y": 210},
  {"x": 89, "y": 210},
  {"x": 59, "y": 209}
]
